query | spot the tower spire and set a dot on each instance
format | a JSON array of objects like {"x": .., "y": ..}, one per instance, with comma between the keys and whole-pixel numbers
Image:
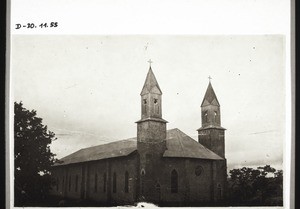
[
  {"x": 151, "y": 84},
  {"x": 210, "y": 97},
  {"x": 151, "y": 98}
]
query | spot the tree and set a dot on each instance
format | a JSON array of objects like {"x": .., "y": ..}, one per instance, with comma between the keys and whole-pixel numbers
[
  {"x": 33, "y": 157},
  {"x": 261, "y": 186}
]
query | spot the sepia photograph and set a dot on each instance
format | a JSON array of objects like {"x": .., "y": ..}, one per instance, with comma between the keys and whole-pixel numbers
[{"x": 163, "y": 120}]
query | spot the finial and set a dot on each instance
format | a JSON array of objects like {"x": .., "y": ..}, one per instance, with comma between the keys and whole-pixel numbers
[
  {"x": 150, "y": 61},
  {"x": 209, "y": 78}
]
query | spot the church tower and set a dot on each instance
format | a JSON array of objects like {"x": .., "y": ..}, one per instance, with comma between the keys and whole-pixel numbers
[
  {"x": 151, "y": 138},
  {"x": 211, "y": 134}
]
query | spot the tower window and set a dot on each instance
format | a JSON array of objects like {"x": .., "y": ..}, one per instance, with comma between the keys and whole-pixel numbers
[
  {"x": 215, "y": 115},
  {"x": 144, "y": 106},
  {"x": 174, "y": 181},
  {"x": 114, "y": 183},
  {"x": 206, "y": 116},
  {"x": 155, "y": 101},
  {"x": 126, "y": 182}
]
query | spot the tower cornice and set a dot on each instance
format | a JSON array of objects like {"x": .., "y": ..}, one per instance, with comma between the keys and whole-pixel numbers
[{"x": 152, "y": 119}]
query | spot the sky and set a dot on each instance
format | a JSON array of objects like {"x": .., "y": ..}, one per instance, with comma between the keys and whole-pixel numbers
[{"x": 87, "y": 88}]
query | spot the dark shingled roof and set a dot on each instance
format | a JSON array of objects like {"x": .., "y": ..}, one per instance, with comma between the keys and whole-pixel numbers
[
  {"x": 210, "y": 97},
  {"x": 181, "y": 145},
  {"x": 178, "y": 145}
]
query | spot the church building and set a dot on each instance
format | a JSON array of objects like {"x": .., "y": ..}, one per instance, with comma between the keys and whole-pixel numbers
[{"x": 164, "y": 167}]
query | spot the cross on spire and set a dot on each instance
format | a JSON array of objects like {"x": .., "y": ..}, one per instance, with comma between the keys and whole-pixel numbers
[
  {"x": 209, "y": 78},
  {"x": 150, "y": 61}
]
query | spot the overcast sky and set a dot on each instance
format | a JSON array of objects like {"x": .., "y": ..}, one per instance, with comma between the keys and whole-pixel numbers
[{"x": 87, "y": 88}]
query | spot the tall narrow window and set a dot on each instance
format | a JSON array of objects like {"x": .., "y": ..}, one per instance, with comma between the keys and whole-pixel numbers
[
  {"x": 144, "y": 106},
  {"x": 158, "y": 192},
  {"x": 156, "y": 106},
  {"x": 219, "y": 189},
  {"x": 142, "y": 186},
  {"x": 206, "y": 116},
  {"x": 114, "y": 183},
  {"x": 76, "y": 183},
  {"x": 96, "y": 182},
  {"x": 174, "y": 181},
  {"x": 70, "y": 183},
  {"x": 215, "y": 116},
  {"x": 63, "y": 183},
  {"x": 104, "y": 182},
  {"x": 126, "y": 182},
  {"x": 57, "y": 183}
]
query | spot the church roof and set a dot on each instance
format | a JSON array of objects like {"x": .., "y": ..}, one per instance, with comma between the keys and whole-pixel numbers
[
  {"x": 151, "y": 85},
  {"x": 103, "y": 151},
  {"x": 178, "y": 145},
  {"x": 181, "y": 145},
  {"x": 210, "y": 97}
]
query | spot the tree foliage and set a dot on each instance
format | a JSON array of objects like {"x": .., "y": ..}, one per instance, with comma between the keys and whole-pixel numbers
[
  {"x": 33, "y": 157},
  {"x": 261, "y": 186}
]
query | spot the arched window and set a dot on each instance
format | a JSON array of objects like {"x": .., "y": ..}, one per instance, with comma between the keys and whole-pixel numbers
[
  {"x": 156, "y": 105},
  {"x": 70, "y": 183},
  {"x": 76, "y": 183},
  {"x": 158, "y": 192},
  {"x": 96, "y": 183},
  {"x": 126, "y": 182},
  {"x": 174, "y": 181},
  {"x": 219, "y": 189},
  {"x": 57, "y": 183},
  {"x": 114, "y": 183},
  {"x": 142, "y": 186},
  {"x": 206, "y": 116},
  {"x": 144, "y": 106},
  {"x": 215, "y": 116},
  {"x": 104, "y": 182},
  {"x": 63, "y": 183}
]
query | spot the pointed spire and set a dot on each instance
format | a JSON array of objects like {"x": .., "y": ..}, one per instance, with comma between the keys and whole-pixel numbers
[
  {"x": 210, "y": 97},
  {"x": 151, "y": 85}
]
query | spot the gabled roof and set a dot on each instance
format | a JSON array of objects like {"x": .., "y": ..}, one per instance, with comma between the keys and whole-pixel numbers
[
  {"x": 151, "y": 85},
  {"x": 210, "y": 97},
  {"x": 178, "y": 145},
  {"x": 104, "y": 151},
  {"x": 181, "y": 145}
]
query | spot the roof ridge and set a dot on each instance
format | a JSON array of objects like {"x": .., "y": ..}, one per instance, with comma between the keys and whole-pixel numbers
[{"x": 108, "y": 143}]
